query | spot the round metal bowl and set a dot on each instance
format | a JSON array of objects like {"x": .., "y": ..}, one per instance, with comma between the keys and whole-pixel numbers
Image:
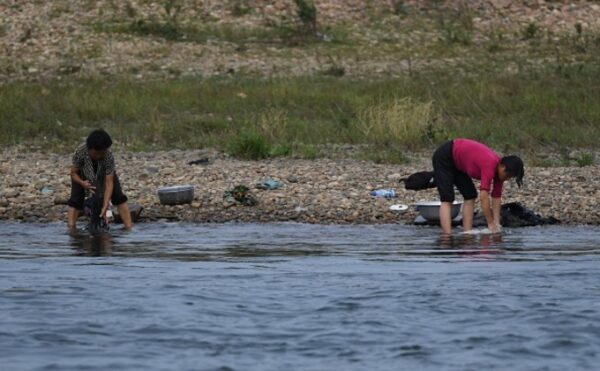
[
  {"x": 176, "y": 195},
  {"x": 430, "y": 210}
]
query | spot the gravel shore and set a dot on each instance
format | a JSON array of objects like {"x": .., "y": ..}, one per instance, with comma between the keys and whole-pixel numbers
[
  {"x": 34, "y": 187},
  {"x": 43, "y": 40}
]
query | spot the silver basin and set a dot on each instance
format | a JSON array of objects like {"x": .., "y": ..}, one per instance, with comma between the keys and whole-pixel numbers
[
  {"x": 430, "y": 210},
  {"x": 176, "y": 195}
]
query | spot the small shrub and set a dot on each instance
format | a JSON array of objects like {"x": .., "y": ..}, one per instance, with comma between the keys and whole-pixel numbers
[
  {"x": 335, "y": 71},
  {"x": 249, "y": 145},
  {"x": 169, "y": 28},
  {"x": 585, "y": 159},
  {"x": 172, "y": 9},
  {"x": 130, "y": 10},
  {"x": 530, "y": 31},
  {"x": 399, "y": 7},
  {"x": 457, "y": 26},
  {"x": 496, "y": 40},
  {"x": 307, "y": 13},
  {"x": 146, "y": 28},
  {"x": 240, "y": 8},
  {"x": 455, "y": 34},
  {"x": 579, "y": 28}
]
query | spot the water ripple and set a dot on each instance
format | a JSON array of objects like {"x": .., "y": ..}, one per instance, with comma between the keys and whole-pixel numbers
[{"x": 287, "y": 296}]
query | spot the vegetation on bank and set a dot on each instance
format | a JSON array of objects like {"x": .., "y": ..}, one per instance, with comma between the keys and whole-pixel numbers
[
  {"x": 253, "y": 117},
  {"x": 526, "y": 90}
]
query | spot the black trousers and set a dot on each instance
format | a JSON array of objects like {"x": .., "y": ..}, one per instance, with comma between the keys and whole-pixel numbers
[
  {"x": 447, "y": 175},
  {"x": 78, "y": 194}
]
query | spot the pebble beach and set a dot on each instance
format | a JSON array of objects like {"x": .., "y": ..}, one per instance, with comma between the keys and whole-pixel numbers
[{"x": 35, "y": 187}]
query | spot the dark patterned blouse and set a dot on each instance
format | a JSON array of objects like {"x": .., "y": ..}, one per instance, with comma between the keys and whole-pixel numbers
[{"x": 93, "y": 170}]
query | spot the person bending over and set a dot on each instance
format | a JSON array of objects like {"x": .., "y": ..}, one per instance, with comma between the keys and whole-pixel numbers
[
  {"x": 456, "y": 162},
  {"x": 93, "y": 170}
]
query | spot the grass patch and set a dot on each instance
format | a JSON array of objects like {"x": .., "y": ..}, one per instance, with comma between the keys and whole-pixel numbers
[
  {"x": 307, "y": 152},
  {"x": 397, "y": 121},
  {"x": 257, "y": 118},
  {"x": 283, "y": 150},
  {"x": 586, "y": 159},
  {"x": 250, "y": 145}
]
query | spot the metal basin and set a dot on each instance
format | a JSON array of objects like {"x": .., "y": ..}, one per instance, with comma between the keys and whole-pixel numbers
[
  {"x": 430, "y": 210},
  {"x": 176, "y": 195}
]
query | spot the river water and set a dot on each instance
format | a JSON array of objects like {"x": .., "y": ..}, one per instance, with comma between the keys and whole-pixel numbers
[{"x": 298, "y": 297}]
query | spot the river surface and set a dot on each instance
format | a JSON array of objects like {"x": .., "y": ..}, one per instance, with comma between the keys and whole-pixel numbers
[{"x": 298, "y": 297}]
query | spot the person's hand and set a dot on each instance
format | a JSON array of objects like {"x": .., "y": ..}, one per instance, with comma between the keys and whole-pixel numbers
[
  {"x": 103, "y": 214},
  {"x": 88, "y": 186}
]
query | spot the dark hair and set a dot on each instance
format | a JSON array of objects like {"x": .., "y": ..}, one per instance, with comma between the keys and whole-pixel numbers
[
  {"x": 99, "y": 140},
  {"x": 514, "y": 166}
]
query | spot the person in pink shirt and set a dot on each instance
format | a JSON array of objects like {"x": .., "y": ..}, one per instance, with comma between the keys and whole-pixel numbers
[{"x": 456, "y": 163}]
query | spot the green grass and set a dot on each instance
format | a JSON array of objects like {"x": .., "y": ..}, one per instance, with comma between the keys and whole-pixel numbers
[
  {"x": 256, "y": 118},
  {"x": 250, "y": 146},
  {"x": 586, "y": 159}
]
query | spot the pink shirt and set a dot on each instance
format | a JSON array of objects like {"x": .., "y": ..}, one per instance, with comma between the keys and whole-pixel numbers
[{"x": 479, "y": 162}]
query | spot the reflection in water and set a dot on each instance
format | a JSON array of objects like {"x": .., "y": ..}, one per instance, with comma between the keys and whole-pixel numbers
[
  {"x": 88, "y": 244},
  {"x": 490, "y": 239},
  {"x": 230, "y": 242},
  {"x": 484, "y": 243}
]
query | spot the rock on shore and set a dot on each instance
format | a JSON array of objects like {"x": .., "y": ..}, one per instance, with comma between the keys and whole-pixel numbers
[{"x": 34, "y": 187}]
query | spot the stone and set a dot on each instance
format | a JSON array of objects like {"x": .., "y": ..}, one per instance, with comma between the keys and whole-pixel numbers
[
  {"x": 61, "y": 200},
  {"x": 10, "y": 193},
  {"x": 394, "y": 177}
]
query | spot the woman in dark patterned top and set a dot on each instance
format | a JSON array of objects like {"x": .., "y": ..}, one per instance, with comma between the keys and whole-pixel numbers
[{"x": 93, "y": 170}]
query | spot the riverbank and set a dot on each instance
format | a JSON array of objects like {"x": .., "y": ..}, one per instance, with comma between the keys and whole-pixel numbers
[
  {"x": 35, "y": 188},
  {"x": 170, "y": 39}
]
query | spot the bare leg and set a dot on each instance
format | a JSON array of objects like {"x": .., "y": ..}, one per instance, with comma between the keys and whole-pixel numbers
[
  {"x": 446, "y": 217},
  {"x": 468, "y": 210},
  {"x": 125, "y": 215},
  {"x": 72, "y": 216}
]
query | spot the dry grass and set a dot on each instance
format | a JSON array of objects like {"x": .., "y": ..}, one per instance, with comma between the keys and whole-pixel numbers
[{"x": 399, "y": 121}]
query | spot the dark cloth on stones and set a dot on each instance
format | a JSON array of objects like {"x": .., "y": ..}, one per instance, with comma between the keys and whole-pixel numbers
[{"x": 514, "y": 215}]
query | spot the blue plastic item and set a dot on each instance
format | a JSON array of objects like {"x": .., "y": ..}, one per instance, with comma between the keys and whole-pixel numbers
[{"x": 385, "y": 193}]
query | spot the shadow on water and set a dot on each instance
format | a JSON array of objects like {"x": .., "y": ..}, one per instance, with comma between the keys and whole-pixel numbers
[{"x": 91, "y": 244}]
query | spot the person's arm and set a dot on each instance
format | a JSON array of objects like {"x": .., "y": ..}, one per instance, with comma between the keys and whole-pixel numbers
[
  {"x": 496, "y": 204},
  {"x": 484, "y": 197},
  {"x": 108, "y": 190},
  {"x": 76, "y": 177}
]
